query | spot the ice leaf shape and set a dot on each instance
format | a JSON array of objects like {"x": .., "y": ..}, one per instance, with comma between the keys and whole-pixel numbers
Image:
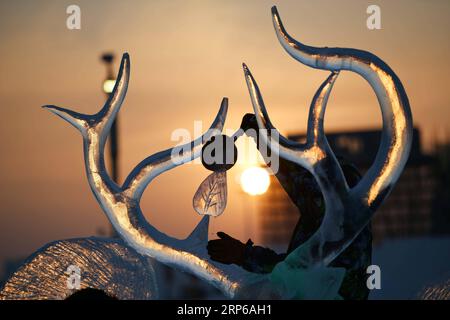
[{"x": 211, "y": 196}]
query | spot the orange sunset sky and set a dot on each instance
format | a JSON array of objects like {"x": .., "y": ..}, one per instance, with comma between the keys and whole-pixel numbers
[{"x": 185, "y": 56}]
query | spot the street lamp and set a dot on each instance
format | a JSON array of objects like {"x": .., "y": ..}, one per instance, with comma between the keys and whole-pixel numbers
[{"x": 108, "y": 86}]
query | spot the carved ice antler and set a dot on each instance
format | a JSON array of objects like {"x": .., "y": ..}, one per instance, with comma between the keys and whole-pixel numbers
[
  {"x": 347, "y": 210},
  {"x": 121, "y": 203}
]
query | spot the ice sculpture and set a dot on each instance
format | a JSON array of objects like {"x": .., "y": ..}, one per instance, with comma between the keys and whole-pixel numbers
[
  {"x": 211, "y": 196},
  {"x": 218, "y": 155},
  {"x": 121, "y": 203},
  {"x": 305, "y": 272},
  {"x": 347, "y": 210},
  {"x": 106, "y": 264}
]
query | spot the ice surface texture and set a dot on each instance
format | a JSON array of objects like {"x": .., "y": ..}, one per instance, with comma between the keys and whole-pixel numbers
[{"x": 106, "y": 264}]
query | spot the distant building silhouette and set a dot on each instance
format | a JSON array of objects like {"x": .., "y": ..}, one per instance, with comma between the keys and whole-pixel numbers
[{"x": 408, "y": 211}]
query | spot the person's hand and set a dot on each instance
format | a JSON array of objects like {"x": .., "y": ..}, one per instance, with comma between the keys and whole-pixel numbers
[{"x": 227, "y": 250}]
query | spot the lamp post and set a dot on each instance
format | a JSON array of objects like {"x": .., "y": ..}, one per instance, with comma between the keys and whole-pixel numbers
[{"x": 108, "y": 86}]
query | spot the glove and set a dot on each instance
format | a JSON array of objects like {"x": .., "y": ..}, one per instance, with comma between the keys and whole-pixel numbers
[{"x": 228, "y": 250}]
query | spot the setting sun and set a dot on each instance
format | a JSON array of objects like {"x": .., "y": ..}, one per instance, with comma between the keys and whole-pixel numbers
[{"x": 255, "y": 181}]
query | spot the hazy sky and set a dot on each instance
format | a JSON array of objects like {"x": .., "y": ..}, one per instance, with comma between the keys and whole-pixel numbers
[{"x": 185, "y": 56}]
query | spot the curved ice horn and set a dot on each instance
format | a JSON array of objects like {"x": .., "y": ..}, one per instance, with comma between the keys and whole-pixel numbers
[
  {"x": 121, "y": 203},
  {"x": 397, "y": 119},
  {"x": 152, "y": 166},
  {"x": 347, "y": 210},
  {"x": 315, "y": 155},
  {"x": 263, "y": 116},
  {"x": 305, "y": 154},
  {"x": 95, "y": 128}
]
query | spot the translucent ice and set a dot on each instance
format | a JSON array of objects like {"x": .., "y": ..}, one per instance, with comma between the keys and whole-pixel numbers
[{"x": 211, "y": 196}]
